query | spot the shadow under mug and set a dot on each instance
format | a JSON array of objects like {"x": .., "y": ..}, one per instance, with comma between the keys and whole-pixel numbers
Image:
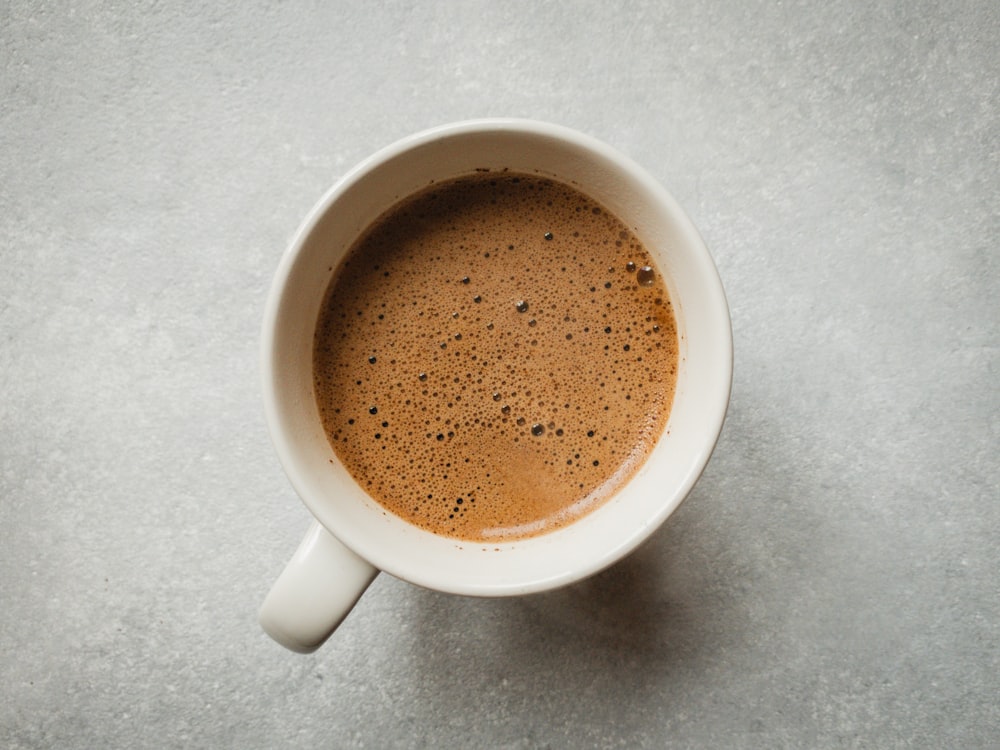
[{"x": 353, "y": 537}]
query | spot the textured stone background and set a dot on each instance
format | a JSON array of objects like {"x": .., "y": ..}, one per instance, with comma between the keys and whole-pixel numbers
[{"x": 832, "y": 582}]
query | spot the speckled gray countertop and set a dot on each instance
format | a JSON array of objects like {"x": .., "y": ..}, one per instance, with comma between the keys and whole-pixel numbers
[{"x": 832, "y": 582}]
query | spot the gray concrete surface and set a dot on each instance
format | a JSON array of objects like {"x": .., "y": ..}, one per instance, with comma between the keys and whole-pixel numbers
[{"x": 832, "y": 582}]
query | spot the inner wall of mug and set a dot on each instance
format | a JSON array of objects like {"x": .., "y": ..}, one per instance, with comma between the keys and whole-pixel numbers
[{"x": 603, "y": 536}]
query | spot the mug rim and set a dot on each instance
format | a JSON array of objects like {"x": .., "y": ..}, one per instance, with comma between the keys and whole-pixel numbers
[{"x": 285, "y": 443}]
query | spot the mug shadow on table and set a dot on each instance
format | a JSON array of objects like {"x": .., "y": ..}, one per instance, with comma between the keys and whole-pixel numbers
[
  {"x": 682, "y": 604},
  {"x": 578, "y": 659},
  {"x": 661, "y": 608}
]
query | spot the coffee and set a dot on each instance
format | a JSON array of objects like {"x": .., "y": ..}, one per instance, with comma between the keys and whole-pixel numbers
[{"x": 495, "y": 357}]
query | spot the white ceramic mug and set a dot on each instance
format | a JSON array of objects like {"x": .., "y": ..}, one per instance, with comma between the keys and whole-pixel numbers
[{"x": 353, "y": 537}]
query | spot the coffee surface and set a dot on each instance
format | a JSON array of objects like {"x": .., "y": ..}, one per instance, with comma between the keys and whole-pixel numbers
[{"x": 495, "y": 357}]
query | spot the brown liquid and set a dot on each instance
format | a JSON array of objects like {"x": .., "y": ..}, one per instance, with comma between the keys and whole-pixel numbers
[{"x": 494, "y": 357}]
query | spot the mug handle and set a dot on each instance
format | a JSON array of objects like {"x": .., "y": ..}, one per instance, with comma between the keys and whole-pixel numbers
[{"x": 314, "y": 593}]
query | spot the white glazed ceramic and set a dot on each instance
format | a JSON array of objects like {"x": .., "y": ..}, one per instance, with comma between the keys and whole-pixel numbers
[{"x": 354, "y": 536}]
